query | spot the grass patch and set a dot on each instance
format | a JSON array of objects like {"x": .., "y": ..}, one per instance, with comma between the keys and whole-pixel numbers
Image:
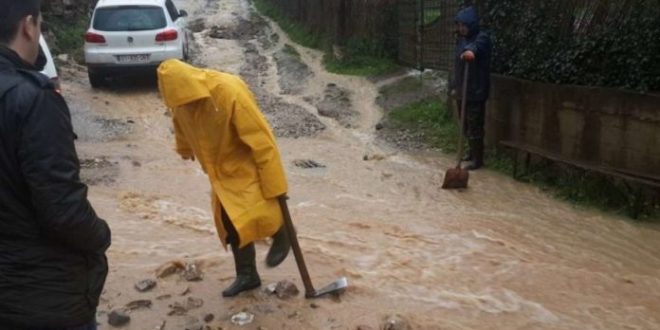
[
  {"x": 360, "y": 65},
  {"x": 363, "y": 57},
  {"x": 430, "y": 118},
  {"x": 500, "y": 162},
  {"x": 69, "y": 36},
  {"x": 406, "y": 85}
]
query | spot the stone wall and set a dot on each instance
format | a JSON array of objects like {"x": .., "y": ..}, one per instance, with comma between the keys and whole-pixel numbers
[{"x": 604, "y": 126}]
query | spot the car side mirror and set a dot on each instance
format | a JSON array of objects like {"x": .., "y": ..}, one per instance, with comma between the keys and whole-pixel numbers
[{"x": 183, "y": 13}]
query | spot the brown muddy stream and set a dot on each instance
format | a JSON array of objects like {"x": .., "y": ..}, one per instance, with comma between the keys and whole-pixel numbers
[{"x": 500, "y": 255}]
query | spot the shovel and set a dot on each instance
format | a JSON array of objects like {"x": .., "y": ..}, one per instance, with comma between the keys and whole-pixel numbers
[
  {"x": 335, "y": 287},
  {"x": 457, "y": 178}
]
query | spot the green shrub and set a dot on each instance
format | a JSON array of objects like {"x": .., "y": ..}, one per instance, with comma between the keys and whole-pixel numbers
[
  {"x": 597, "y": 43},
  {"x": 431, "y": 118},
  {"x": 69, "y": 34}
]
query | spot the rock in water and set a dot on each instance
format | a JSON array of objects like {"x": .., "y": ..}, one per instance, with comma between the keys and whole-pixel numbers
[
  {"x": 192, "y": 273},
  {"x": 118, "y": 318},
  {"x": 161, "y": 326},
  {"x": 145, "y": 285},
  {"x": 138, "y": 304},
  {"x": 208, "y": 318},
  {"x": 242, "y": 318},
  {"x": 286, "y": 290},
  {"x": 169, "y": 269},
  {"x": 193, "y": 303},
  {"x": 182, "y": 308},
  {"x": 192, "y": 323},
  {"x": 270, "y": 288},
  {"x": 396, "y": 322}
]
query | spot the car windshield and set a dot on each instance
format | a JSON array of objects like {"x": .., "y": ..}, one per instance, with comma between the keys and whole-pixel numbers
[{"x": 129, "y": 18}]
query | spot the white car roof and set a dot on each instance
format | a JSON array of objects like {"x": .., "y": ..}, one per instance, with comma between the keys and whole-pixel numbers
[{"x": 113, "y": 3}]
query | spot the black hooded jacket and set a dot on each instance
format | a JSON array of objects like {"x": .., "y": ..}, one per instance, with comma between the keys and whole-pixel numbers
[
  {"x": 52, "y": 244},
  {"x": 480, "y": 44}
]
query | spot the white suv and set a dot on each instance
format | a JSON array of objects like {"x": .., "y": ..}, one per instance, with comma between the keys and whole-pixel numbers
[{"x": 133, "y": 36}]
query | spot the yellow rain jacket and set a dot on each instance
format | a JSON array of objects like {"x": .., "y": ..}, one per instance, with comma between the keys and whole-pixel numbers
[{"x": 217, "y": 120}]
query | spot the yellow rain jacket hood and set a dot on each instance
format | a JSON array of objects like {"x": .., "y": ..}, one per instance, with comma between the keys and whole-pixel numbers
[{"x": 217, "y": 120}]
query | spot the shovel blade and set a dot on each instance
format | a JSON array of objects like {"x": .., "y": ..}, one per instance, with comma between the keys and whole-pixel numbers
[
  {"x": 456, "y": 178},
  {"x": 335, "y": 287}
]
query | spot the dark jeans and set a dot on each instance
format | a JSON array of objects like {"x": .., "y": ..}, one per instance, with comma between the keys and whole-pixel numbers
[
  {"x": 232, "y": 234},
  {"x": 473, "y": 129},
  {"x": 475, "y": 120}
]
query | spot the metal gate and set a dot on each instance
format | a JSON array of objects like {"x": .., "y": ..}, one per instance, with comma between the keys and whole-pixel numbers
[{"x": 426, "y": 33}]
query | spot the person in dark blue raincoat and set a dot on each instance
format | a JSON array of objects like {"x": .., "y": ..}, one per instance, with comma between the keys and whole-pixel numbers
[{"x": 473, "y": 47}]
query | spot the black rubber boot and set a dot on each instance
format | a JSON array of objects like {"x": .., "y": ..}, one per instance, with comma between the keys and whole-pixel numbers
[
  {"x": 279, "y": 249},
  {"x": 477, "y": 151},
  {"x": 468, "y": 156},
  {"x": 247, "y": 277}
]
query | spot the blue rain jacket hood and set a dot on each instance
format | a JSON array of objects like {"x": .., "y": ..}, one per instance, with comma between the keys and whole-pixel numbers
[
  {"x": 480, "y": 44},
  {"x": 470, "y": 18}
]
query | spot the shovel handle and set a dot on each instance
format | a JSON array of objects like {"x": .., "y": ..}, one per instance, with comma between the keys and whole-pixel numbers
[
  {"x": 463, "y": 114},
  {"x": 295, "y": 246}
]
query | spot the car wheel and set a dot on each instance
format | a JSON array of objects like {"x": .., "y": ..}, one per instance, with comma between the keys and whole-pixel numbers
[
  {"x": 186, "y": 49},
  {"x": 186, "y": 57},
  {"x": 96, "y": 80}
]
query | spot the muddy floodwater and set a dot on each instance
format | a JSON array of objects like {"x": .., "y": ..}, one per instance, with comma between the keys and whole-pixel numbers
[{"x": 500, "y": 255}]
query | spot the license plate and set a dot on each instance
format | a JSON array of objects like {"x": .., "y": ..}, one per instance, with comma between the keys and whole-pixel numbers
[{"x": 140, "y": 58}]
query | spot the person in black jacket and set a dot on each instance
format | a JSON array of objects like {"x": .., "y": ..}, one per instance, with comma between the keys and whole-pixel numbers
[
  {"x": 52, "y": 244},
  {"x": 473, "y": 48}
]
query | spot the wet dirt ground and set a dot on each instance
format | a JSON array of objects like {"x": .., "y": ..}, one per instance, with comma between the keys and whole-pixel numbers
[{"x": 500, "y": 255}]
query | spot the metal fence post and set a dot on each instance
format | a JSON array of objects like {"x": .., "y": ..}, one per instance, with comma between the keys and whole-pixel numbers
[{"x": 421, "y": 36}]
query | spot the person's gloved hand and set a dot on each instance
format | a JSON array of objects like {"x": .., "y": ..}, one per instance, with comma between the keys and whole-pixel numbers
[{"x": 468, "y": 56}]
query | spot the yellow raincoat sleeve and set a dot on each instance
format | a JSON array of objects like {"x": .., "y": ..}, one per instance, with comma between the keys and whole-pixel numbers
[
  {"x": 182, "y": 146},
  {"x": 253, "y": 130}
]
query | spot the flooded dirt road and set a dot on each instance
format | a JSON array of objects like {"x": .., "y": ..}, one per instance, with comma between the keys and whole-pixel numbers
[{"x": 500, "y": 255}]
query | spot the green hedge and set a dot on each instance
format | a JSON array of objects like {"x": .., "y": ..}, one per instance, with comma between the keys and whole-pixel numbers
[{"x": 613, "y": 43}]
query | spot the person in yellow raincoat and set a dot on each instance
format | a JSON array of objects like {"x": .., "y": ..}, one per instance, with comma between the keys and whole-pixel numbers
[{"x": 217, "y": 121}]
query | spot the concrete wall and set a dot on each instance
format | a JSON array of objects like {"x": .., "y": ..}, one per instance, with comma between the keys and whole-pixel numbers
[{"x": 606, "y": 126}]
